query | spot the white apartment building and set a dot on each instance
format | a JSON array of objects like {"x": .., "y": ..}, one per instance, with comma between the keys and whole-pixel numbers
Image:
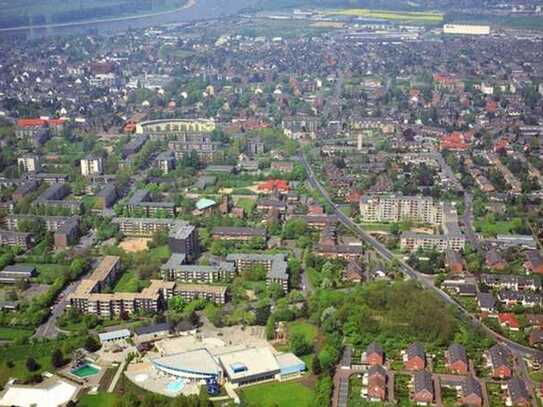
[
  {"x": 396, "y": 208},
  {"x": 29, "y": 163},
  {"x": 92, "y": 165}
]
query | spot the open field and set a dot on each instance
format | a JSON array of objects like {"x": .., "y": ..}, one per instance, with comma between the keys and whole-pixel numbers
[
  {"x": 130, "y": 283},
  {"x": 132, "y": 245},
  {"x": 98, "y": 400},
  {"x": 426, "y": 17},
  {"x": 10, "y": 334},
  {"x": 290, "y": 394},
  {"x": 306, "y": 329}
]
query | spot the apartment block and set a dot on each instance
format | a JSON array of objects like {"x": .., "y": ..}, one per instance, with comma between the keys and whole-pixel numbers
[
  {"x": 275, "y": 265},
  {"x": 29, "y": 163},
  {"x": 396, "y": 208}
]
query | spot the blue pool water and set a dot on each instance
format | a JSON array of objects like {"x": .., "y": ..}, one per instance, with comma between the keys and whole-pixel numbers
[{"x": 175, "y": 386}]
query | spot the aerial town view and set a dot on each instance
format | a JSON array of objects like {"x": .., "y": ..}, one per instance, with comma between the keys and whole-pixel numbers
[{"x": 271, "y": 203}]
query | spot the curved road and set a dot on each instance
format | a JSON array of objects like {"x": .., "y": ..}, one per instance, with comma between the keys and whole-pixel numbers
[{"x": 409, "y": 271}]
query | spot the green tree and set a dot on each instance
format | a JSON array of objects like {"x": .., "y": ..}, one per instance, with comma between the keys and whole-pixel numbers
[
  {"x": 57, "y": 358},
  {"x": 32, "y": 365}
]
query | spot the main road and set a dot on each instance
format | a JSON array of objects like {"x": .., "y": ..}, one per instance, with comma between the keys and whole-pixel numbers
[{"x": 411, "y": 272}]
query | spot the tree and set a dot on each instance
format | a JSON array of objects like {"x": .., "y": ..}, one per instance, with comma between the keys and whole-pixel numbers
[
  {"x": 32, "y": 365},
  {"x": 203, "y": 397},
  {"x": 316, "y": 365},
  {"x": 92, "y": 344},
  {"x": 270, "y": 328},
  {"x": 177, "y": 304},
  {"x": 299, "y": 344},
  {"x": 262, "y": 313},
  {"x": 57, "y": 358}
]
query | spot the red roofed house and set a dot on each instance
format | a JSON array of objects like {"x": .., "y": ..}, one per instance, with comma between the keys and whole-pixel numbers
[
  {"x": 456, "y": 141},
  {"x": 501, "y": 145},
  {"x": 274, "y": 184},
  {"x": 508, "y": 320}
]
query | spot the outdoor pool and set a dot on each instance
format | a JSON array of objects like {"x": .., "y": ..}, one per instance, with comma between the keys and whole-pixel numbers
[
  {"x": 85, "y": 370},
  {"x": 175, "y": 386}
]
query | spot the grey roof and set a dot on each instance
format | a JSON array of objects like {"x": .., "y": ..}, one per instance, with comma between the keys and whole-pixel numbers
[
  {"x": 517, "y": 389},
  {"x": 154, "y": 328},
  {"x": 423, "y": 381},
  {"x": 374, "y": 347},
  {"x": 198, "y": 361},
  {"x": 498, "y": 356},
  {"x": 182, "y": 232},
  {"x": 416, "y": 349},
  {"x": 377, "y": 369},
  {"x": 239, "y": 231},
  {"x": 139, "y": 196},
  {"x": 20, "y": 268},
  {"x": 471, "y": 386},
  {"x": 486, "y": 300},
  {"x": 175, "y": 260},
  {"x": 457, "y": 353},
  {"x": 119, "y": 334}
]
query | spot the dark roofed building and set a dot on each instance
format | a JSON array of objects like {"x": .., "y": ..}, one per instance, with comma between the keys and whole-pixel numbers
[
  {"x": 457, "y": 360},
  {"x": 415, "y": 357},
  {"x": 498, "y": 359},
  {"x": 517, "y": 392},
  {"x": 423, "y": 387},
  {"x": 375, "y": 354},
  {"x": 472, "y": 394}
]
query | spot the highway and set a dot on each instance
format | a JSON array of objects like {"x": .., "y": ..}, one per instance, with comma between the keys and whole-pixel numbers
[{"x": 409, "y": 271}]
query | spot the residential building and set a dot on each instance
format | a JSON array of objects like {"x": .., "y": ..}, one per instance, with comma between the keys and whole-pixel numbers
[
  {"x": 472, "y": 394},
  {"x": 166, "y": 162},
  {"x": 17, "y": 272},
  {"x": 184, "y": 239},
  {"x": 374, "y": 354},
  {"x": 498, "y": 360},
  {"x": 9, "y": 238},
  {"x": 29, "y": 163},
  {"x": 517, "y": 393},
  {"x": 423, "y": 387},
  {"x": 457, "y": 359},
  {"x": 147, "y": 227},
  {"x": 396, "y": 208},
  {"x": 92, "y": 165},
  {"x": 238, "y": 233},
  {"x": 275, "y": 266},
  {"x": 377, "y": 383},
  {"x": 415, "y": 357},
  {"x": 107, "y": 196}
]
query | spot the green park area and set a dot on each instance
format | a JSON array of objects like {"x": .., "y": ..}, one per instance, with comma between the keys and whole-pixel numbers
[
  {"x": 98, "y": 400},
  {"x": 288, "y": 394}
]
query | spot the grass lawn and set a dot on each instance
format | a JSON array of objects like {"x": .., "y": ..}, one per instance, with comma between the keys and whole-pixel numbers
[
  {"x": 309, "y": 331},
  {"x": 130, "y": 283},
  {"x": 247, "y": 204},
  {"x": 489, "y": 229},
  {"x": 287, "y": 394},
  {"x": 47, "y": 273},
  {"x": 98, "y": 400},
  {"x": 17, "y": 355},
  {"x": 11, "y": 334},
  {"x": 161, "y": 253},
  {"x": 427, "y": 17}
]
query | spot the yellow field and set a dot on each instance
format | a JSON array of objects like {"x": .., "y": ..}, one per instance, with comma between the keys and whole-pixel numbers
[{"x": 414, "y": 16}]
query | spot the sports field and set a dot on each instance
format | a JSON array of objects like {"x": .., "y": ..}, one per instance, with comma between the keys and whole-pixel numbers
[{"x": 420, "y": 17}]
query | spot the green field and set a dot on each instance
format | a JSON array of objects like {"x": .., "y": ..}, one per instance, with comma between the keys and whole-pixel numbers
[
  {"x": 98, "y": 400},
  {"x": 10, "y": 334},
  {"x": 47, "y": 273},
  {"x": 130, "y": 283},
  {"x": 489, "y": 229},
  {"x": 426, "y": 17},
  {"x": 289, "y": 394},
  {"x": 247, "y": 204},
  {"x": 13, "y": 359},
  {"x": 309, "y": 331},
  {"x": 160, "y": 253}
]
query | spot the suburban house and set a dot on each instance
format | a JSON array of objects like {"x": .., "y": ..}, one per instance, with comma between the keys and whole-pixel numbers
[
  {"x": 457, "y": 360},
  {"x": 494, "y": 260},
  {"x": 423, "y": 384},
  {"x": 377, "y": 383},
  {"x": 498, "y": 360},
  {"x": 487, "y": 302},
  {"x": 508, "y": 320},
  {"x": 374, "y": 354},
  {"x": 472, "y": 394},
  {"x": 517, "y": 392},
  {"x": 415, "y": 357},
  {"x": 534, "y": 262}
]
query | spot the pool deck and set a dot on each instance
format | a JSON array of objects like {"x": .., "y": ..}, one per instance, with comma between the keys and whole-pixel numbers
[{"x": 154, "y": 381}]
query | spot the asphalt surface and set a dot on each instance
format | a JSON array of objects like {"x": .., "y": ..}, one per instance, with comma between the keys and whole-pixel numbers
[
  {"x": 410, "y": 272},
  {"x": 49, "y": 328}
]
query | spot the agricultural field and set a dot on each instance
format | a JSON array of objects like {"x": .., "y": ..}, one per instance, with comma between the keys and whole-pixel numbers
[{"x": 415, "y": 17}]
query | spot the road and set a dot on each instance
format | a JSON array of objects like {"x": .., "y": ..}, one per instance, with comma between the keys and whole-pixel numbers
[
  {"x": 410, "y": 272},
  {"x": 49, "y": 328},
  {"x": 469, "y": 229}
]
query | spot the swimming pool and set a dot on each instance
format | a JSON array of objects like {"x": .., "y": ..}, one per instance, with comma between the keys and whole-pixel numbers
[
  {"x": 86, "y": 370},
  {"x": 175, "y": 386}
]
